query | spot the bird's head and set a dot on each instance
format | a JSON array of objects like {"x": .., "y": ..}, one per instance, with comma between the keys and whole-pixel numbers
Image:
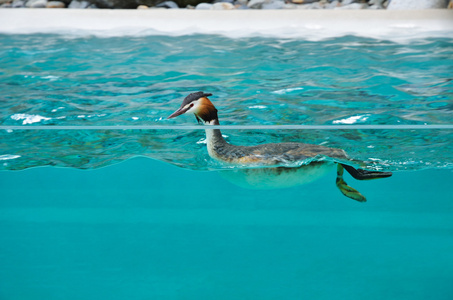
[{"x": 198, "y": 104}]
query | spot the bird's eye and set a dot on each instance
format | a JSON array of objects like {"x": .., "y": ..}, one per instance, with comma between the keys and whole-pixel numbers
[{"x": 191, "y": 105}]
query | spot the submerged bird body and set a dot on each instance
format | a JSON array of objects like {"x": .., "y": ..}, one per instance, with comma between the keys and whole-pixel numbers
[
  {"x": 286, "y": 157},
  {"x": 277, "y": 177}
]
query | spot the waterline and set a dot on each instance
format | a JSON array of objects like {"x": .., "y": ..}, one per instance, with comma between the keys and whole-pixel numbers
[{"x": 232, "y": 127}]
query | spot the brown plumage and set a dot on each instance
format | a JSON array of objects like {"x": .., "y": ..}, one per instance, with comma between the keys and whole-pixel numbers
[{"x": 207, "y": 110}]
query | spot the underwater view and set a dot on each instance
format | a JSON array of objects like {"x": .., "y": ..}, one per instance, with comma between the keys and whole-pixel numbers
[{"x": 102, "y": 196}]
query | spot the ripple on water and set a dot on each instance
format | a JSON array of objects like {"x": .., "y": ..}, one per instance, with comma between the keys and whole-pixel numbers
[{"x": 58, "y": 80}]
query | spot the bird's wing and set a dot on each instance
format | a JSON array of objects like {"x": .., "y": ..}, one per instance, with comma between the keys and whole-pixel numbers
[{"x": 270, "y": 154}]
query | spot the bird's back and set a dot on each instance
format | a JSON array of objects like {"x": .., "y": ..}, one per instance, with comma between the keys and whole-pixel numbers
[{"x": 273, "y": 154}]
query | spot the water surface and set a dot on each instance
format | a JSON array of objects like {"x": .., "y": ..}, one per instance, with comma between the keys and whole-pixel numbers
[{"x": 86, "y": 80}]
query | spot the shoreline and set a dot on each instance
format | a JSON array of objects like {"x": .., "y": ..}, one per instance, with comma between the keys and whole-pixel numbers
[{"x": 311, "y": 25}]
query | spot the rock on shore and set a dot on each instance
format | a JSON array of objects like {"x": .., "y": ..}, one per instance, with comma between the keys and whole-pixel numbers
[
  {"x": 417, "y": 4},
  {"x": 231, "y": 4}
]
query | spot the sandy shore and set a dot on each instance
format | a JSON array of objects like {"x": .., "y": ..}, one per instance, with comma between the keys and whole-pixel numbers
[{"x": 310, "y": 24}]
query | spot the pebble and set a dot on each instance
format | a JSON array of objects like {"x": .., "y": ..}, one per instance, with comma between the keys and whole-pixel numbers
[
  {"x": 333, "y": 4},
  {"x": 55, "y": 4},
  {"x": 353, "y": 6},
  {"x": 168, "y": 4},
  {"x": 310, "y": 6},
  {"x": 78, "y": 4},
  {"x": 317, "y": 5},
  {"x": 142, "y": 7},
  {"x": 417, "y": 4},
  {"x": 36, "y": 4},
  {"x": 290, "y": 6},
  {"x": 303, "y": 6},
  {"x": 204, "y": 6},
  {"x": 223, "y": 6},
  {"x": 255, "y": 4},
  {"x": 18, "y": 3},
  {"x": 273, "y": 5},
  {"x": 376, "y": 3}
]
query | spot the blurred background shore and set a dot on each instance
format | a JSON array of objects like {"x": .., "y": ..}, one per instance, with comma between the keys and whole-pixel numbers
[
  {"x": 313, "y": 25},
  {"x": 232, "y": 4}
]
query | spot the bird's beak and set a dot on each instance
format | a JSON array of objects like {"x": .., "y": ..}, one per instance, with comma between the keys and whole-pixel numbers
[{"x": 180, "y": 111}]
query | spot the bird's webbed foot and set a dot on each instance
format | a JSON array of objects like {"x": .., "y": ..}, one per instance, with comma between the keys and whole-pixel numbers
[{"x": 345, "y": 188}]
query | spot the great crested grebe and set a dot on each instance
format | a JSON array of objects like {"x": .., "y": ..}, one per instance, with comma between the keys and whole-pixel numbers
[{"x": 271, "y": 154}]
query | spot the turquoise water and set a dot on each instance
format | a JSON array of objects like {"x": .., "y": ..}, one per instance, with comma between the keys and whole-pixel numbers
[
  {"x": 87, "y": 81},
  {"x": 142, "y": 213},
  {"x": 147, "y": 230}
]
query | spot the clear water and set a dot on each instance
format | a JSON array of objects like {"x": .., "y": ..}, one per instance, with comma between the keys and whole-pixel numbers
[
  {"x": 85, "y": 81},
  {"x": 121, "y": 221}
]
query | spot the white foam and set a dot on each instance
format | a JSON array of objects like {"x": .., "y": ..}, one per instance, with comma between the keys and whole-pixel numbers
[
  {"x": 8, "y": 156},
  {"x": 352, "y": 119},
  {"x": 310, "y": 25},
  {"x": 286, "y": 91},
  {"x": 29, "y": 119}
]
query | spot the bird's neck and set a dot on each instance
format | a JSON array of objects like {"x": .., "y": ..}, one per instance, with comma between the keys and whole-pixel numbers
[
  {"x": 212, "y": 122},
  {"x": 214, "y": 137}
]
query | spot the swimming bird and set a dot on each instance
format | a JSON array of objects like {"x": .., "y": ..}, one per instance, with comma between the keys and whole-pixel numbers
[{"x": 267, "y": 161}]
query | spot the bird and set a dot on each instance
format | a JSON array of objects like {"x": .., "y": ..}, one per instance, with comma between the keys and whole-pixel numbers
[{"x": 269, "y": 165}]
